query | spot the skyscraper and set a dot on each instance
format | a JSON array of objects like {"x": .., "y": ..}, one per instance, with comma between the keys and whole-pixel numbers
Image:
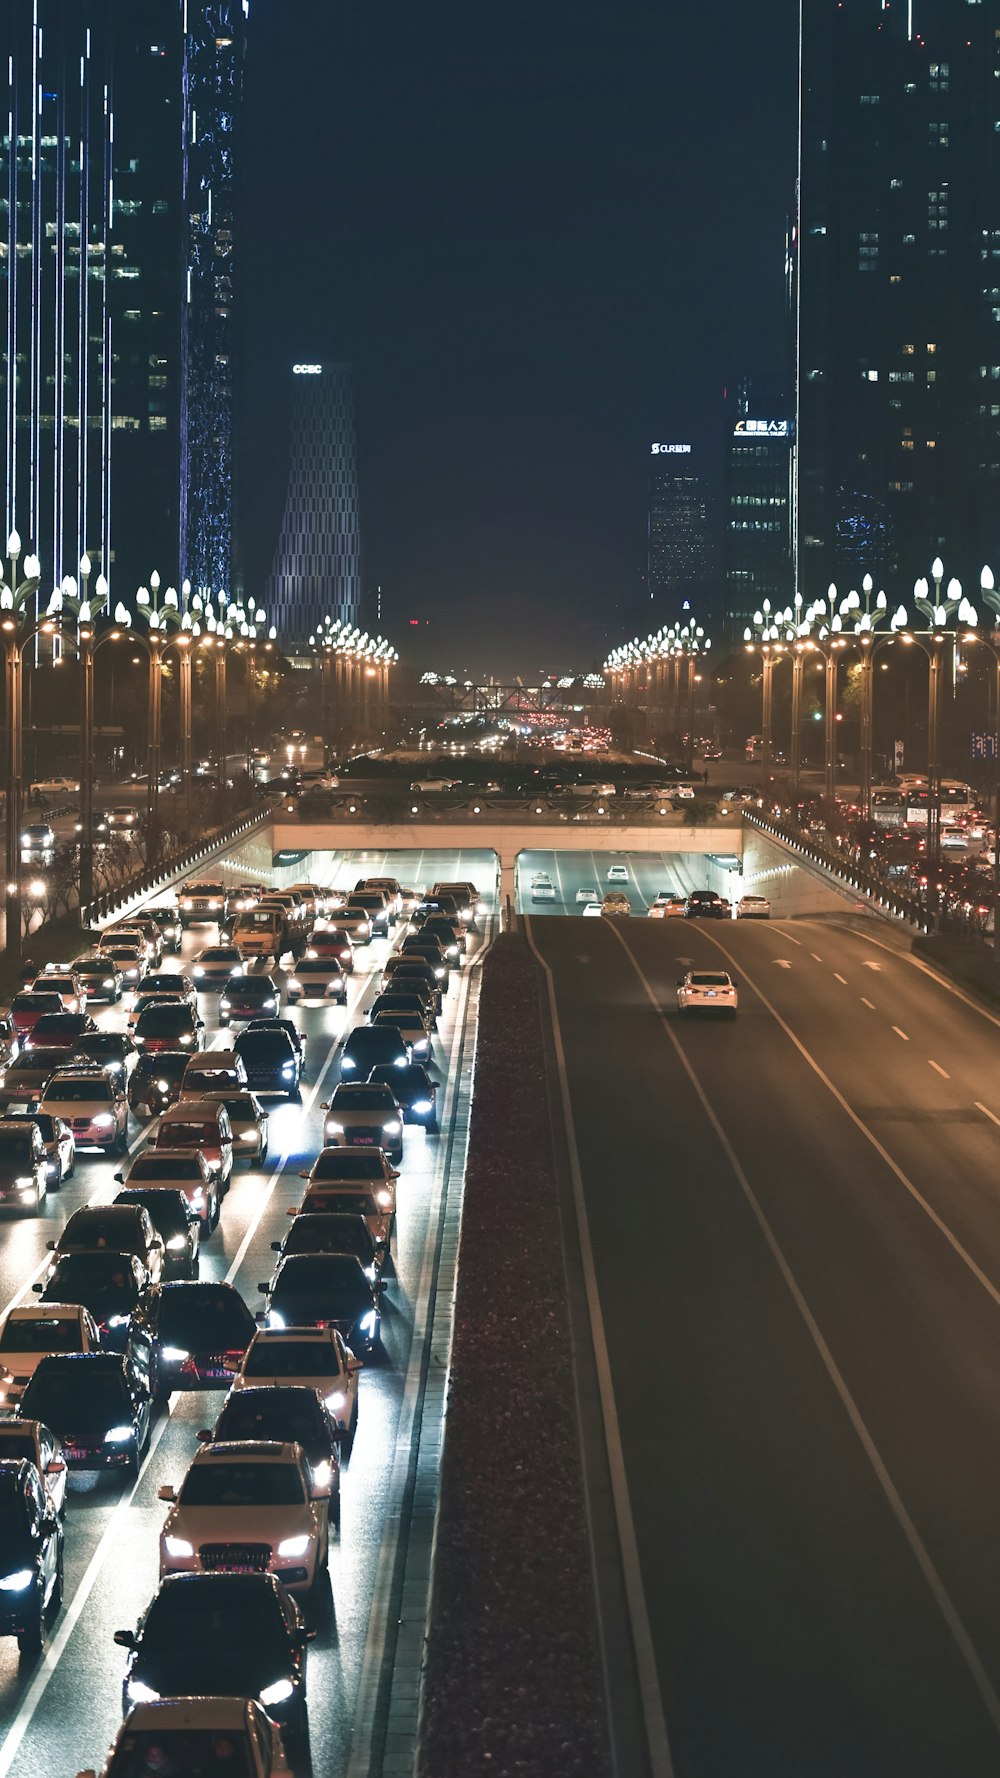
[
  {"x": 679, "y": 553},
  {"x": 317, "y": 563},
  {"x": 896, "y": 291},
  {"x": 119, "y": 173},
  {"x": 757, "y": 507}
]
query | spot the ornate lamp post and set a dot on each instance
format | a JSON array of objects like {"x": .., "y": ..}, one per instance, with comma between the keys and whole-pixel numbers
[
  {"x": 866, "y": 624},
  {"x": 765, "y": 639},
  {"x": 17, "y": 629},
  {"x": 937, "y": 643},
  {"x": 990, "y": 598}
]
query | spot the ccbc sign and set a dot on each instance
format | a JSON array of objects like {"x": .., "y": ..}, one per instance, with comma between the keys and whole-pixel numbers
[{"x": 307, "y": 370}]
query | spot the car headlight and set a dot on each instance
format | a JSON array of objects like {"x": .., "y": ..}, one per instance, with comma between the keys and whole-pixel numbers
[
  {"x": 294, "y": 1546},
  {"x": 17, "y": 1582},
  {"x": 400, "y": 1061},
  {"x": 141, "y": 1694},
  {"x": 249, "y": 1136},
  {"x": 385, "y": 1199},
  {"x": 162, "y": 1086},
  {"x": 178, "y": 1546},
  {"x": 334, "y": 1129},
  {"x": 345, "y": 956},
  {"x": 322, "y": 1474},
  {"x": 198, "y": 1194},
  {"x": 176, "y": 1244},
  {"x": 117, "y": 1321},
  {"x": 311, "y": 954},
  {"x": 287, "y": 1069},
  {"x": 392, "y": 1128},
  {"x": 223, "y": 1004},
  {"x": 439, "y": 975},
  {"x": 369, "y": 1322},
  {"x": 108, "y": 982},
  {"x": 277, "y": 1693},
  {"x": 197, "y": 970},
  {"x": 185, "y": 1037},
  {"x": 118, "y": 1435},
  {"x": 24, "y": 1182},
  {"x": 103, "y": 1120},
  {"x": 213, "y": 904},
  {"x": 346, "y": 1062},
  {"x": 336, "y": 1401},
  {"x": 274, "y": 1319}
]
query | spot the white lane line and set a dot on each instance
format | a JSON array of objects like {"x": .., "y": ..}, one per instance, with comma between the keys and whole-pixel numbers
[
  {"x": 782, "y": 962},
  {"x": 939, "y": 1069},
  {"x": 660, "y": 1759},
  {"x": 869, "y": 1003},
  {"x": 925, "y": 969},
  {"x": 840, "y": 978},
  {"x": 816, "y": 956},
  {"x": 791, "y": 940},
  {"x": 936, "y": 1586},
  {"x": 900, "y": 1033},
  {"x": 868, "y": 964},
  {"x": 987, "y": 1112}
]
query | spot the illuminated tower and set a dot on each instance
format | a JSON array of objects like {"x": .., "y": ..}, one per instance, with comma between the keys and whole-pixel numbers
[{"x": 317, "y": 562}]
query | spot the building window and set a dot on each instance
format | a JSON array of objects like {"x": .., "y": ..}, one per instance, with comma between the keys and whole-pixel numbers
[{"x": 907, "y": 350}]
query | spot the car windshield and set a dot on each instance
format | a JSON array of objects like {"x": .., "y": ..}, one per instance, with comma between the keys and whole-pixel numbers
[
  {"x": 15, "y": 1151},
  {"x": 240, "y": 1107},
  {"x": 40, "y": 1002},
  {"x": 362, "y": 1099},
  {"x": 200, "y": 1134},
  {"x": 221, "y": 954},
  {"x": 316, "y": 1272},
  {"x": 315, "y": 968},
  {"x": 205, "y": 1619},
  {"x": 403, "y": 1082},
  {"x": 382, "y": 1043},
  {"x": 111, "y": 1227},
  {"x": 242, "y": 1484},
  {"x": 15, "y": 1543},
  {"x": 16, "y": 1442},
  {"x": 35, "y": 1333},
  {"x": 72, "y": 1091},
  {"x": 155, "y": 1167},
  {"x": 291, "y": 1358},
  {"x": 103, "y": 1043},
  {"x": 265, "y": 1046},
  {"x": 169, "y": 1064},
  {"x": 123, "y": 953},
  {"x": 218, "y": 1321},
  {"x": 253, "y": 987},
  {"x": 164, "y": 1019},
  {"x": 209, "y": 1753},
  {"x": 167, "y": 1209},
  {"x": 289, "y": 1416},
  {"x": 38, "y": 1062},
  {"x": 45, "y": 1125},
  {"x": 328, "y": 1234},
  {"x": 73, "y": 1400},
  {"x": 702, "y": 980},
  {"x": 335, "y": 1163}
]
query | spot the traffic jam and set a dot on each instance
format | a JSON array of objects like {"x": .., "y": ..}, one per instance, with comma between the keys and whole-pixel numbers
[{"x": 179, "y": 1055}]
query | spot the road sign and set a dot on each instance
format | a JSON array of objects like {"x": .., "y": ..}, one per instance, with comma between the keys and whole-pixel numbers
[{"x": 984, "y": 746}]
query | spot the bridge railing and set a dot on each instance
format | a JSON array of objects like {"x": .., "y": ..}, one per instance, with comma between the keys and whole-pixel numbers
[
  {"x": 396, "y": 808},
  {"x": 168, "y": 869}
]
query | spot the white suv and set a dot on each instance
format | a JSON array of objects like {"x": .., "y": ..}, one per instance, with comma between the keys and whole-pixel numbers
[
  {"x": 31, "y": 1333},
  {"x": 247, "y": 1508}
]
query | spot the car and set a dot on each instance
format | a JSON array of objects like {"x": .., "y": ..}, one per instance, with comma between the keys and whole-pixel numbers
[
  {"x": 176, "y": 1222},
  {"x": 296, "y": 1037},
  {"x": 113, "y": 1050},
  {"x": 92, "y": 1100},
  {"x": 129, "y": 959},
  {"x": 391, "y": 889},
  {"x": 707, "y": 990},
  {"x": 315, "y": 1358},
  {"x": 466, "y": 898},
  {"x": 667, "y": 906},
  {"x": 202, "y": 1124},
  {"x": 112, "y": 1228},
  {"x": 100, "y": 976},
  {"x": 199, "y": 1735},
  {"x": 155, "y": 1081},
  {"x": 28, "y": 1334},
  {"x": 222, "y": 1635},
  {"x": 248, "y": 1121},
  {"x": 617, "y": 873},
  {"x": 331, "y": 947},
  {"x": 328, "y": 1232},
  {"x": 31, "y": 1555},
  {"x": 31, "y": 1441},
  {"x": 450, "y": 934},
  {"x": 355, "y": 924},
  {"x": 23, "y": 1080},
  {"x": 407, "y": 995},
  {"x": 24, "y": 1167},
  {"x": 615, "y": 905},
  {"x": 247, "y": 997},
  {"x": 243, "y": 896},
  {"x": 369, "y": 1045},
  {"x": 60, "y": 1030},
  {"x": 359, "y": 1180},
  {"x": 202, "y": 902},
  {"x": 109, "y": 1285},
  {"x": 96, "y": 1404},
  {"x": 11, "y": 1043},
  {"x": 363, "y": 1116},
  {"x": 414, "y": 1091},
  {"x": 375, "y": 904},
  {"x": 315, "y": 981},
  {"x": 184, "y": 1169},
  {"x": 213, "y": 1071},
  {"x": 216, "y": 966},
  {"x": 38, "y": 842},
  {"x": 30, "y": 1005},
  {"x": 57, "y": 1141},
  {"x": 286, "y": 1414},
  {"x": 143, "y": 934},
  {"x": 328, "y": 1289},
  {"x": 57, "y": 786},
  {"x": 542, "y": 889},
  {"x": 271, "y": 1061},
  {"x": 593, "y": 911},
  {"x": 410, "y": 971},
  {"x": 705, "y": 904},
  {"x": 169, "y": 983},
  {"x": 313, "y": 898},
  {"x": 433, "y": 905},
  {"x": 587, "y": 898},
  {"x": 168, "y": 923},
  {"x": 64, "y": 982},
  {"x": 413, "y": 1024},
  {"x": 254, "y": 1494},
  {"x": 145, "y": 997},
  {"x": 169, "y": 1025},
  {"x": 197, "y": 1335},
  {"x": 753, "y": 907},
  {"x": 419, "y": 945}
]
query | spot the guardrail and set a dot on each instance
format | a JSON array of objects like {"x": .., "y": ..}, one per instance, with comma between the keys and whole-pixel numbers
[
  {"x": 159, "y": 876},
  {"x": 397, "y": 809},
  {"x": 888, "y": 898}
]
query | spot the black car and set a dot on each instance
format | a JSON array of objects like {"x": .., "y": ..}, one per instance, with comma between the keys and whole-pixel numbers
[
  {"x": 31, "y": 1555},
  {"x": 413, "y": 1090},
  {"x": 705, "y": 904},
  {"x": 169, "y": 1025},
  {"x": 428, "y": 950},
  {"x": 198, "y": 1334},
  {"x": 295, "y": 1036},
  {"x": 371, "y": 1045},
  {"x": 101, "y": 978},
  {"x": 328, "y": 1289},
  {"x": 109, "y": 1284},
  {"x": 98, "y": 1406},
  {"x": 169, "y": 923},
  {"x": 221, "y": 1636},
  {"x": 61, "y": 1030},
  {"x": 111, "y": 1049},
  {"x": 449, "y": 934},
  {"x": 327, "y": 1231},
  {"x": 408, "y": 972},
  {"x": 271, "y": 1061},
  {"x": 155, "y": 1081},
  {"x": 175, "y": 1221},
  {"x": 287, "y": 1414},
  {"x": 402, "y": 1000},
  {"x": 120, "y": 1228},
  {"x": 24, "y": 1080}
]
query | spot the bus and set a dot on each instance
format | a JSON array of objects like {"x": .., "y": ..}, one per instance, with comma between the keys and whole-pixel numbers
[{"x": 905, "y": 803}]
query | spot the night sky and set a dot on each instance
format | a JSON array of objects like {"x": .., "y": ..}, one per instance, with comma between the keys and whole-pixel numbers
[{"x": 544, "y": 235}]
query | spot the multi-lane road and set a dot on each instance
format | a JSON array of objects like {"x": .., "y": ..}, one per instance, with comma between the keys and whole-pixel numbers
[
  {"x": 793, "y": 1221},
  {"x": 60, "y": 1713}
]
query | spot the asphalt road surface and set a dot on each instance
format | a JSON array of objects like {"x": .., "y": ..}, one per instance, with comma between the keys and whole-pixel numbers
[
  {"x": 794, "y": 1219},
  {"x": 61, "y": 1712}
]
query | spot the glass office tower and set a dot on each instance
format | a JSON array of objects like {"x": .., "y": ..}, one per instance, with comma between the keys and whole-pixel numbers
[{"x": 317, "y": 563}]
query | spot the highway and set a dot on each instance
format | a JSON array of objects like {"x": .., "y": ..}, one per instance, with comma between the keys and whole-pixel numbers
[
  {"x": 60, "y": 1713},
  {"x": 794, "y": 1228}
]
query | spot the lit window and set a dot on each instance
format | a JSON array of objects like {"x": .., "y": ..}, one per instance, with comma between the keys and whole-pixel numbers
[
  {"x": 932, "y": 346},
  {"x": 907, "y": 351}
]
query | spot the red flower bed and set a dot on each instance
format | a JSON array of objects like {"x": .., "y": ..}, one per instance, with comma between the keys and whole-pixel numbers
[{"x": 513, "y": 1680}]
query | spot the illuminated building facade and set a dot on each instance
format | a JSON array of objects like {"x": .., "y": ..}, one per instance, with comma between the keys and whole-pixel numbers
[
  {"x": 757, "y": 508},
  {"x": 896, "y": 291},
  {"x": 317, "y": 562},
  {"x": 679, "y": 553}
]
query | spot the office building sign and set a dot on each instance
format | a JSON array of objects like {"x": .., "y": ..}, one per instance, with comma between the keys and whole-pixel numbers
[
  {"x": 761, "y": 428},
  {"x": 671, "y": 450}
]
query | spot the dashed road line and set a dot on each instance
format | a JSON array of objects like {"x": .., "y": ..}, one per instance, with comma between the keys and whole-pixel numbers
[
  {"x": 816, "y": 956},
  {"x": 869, "y": 1003},
  {"x": 987, "y": 1112},
  {"x": 938, "y": 1068},
  {"x": 840, "y": 978},
  {"x": 900, "y": 1033}
]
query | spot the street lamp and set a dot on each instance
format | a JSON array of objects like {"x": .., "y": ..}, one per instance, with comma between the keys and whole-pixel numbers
[
  {"x": 937, "y": 643},
  {"x": 16, "y": 630},
  {"x": 991, "y": 643}
]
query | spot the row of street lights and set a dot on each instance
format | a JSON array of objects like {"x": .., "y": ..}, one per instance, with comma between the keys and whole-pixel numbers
[
  {"x": 661, "y": 670},
  {"x": 355, "y": 678}
]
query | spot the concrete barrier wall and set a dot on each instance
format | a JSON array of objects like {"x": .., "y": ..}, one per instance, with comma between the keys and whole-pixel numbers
[{"x": 793, "y": 886}]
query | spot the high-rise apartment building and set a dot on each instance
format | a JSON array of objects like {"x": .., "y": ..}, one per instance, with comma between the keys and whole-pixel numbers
[
  {"x": 316, "y": 570},
  {"x": 757, "y": 507},
  {"x": 119, "y": 151},
  {"x": 896, "y": 291},
  {"x": 679, "y": 550}
]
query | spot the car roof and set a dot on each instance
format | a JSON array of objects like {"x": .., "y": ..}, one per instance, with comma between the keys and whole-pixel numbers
[
  {"x": 237, "y": 1451},
  {"x": 186, "y": 1110},
  {"x": 49, "y": 1311},
  {"x": 192, "y": 1713},
  {"x": 272, "y": 1336}
]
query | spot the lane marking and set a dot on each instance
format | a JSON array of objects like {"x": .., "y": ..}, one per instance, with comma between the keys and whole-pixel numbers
[
  {"x": 868, "y": 964},
  {"x": 925, "y": 969},
  {"x": 940, "y": 1070},
  {"x": 936, "y": 1586},
  {"x": 900, "y": 1033},
  {"x": 987, "y": 1112},
  {"x": 840, "y": 978},
  {"x": 791, "y": 940},
  {"x": 782, "y": 962},
  {"x": 816, "y": 956},
  {"x": 869, "y": 1003},
  {"x": 660, "y": 1759}
]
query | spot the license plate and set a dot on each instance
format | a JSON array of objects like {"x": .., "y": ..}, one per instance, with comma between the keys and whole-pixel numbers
[{"x": 360, "y": 1141}]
